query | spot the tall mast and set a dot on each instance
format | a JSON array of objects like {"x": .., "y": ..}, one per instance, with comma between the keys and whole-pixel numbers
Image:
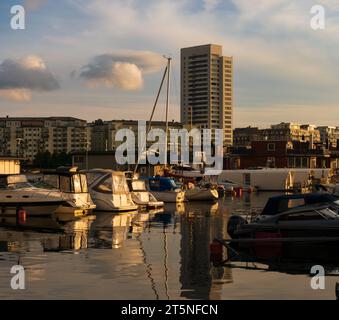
[{"x": 169, "y": 60}]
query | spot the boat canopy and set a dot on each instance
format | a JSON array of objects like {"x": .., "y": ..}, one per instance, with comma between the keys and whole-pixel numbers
[
  {"x": 161, "y": 184},
  {"x": 279, "y": 204},
  {"x": 307, "y": 213},
  {"x": 112, "y": 184},
  {"x": 74, "y": 183}
]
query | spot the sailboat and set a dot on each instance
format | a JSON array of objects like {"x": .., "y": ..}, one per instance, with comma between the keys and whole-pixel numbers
[{"x": 156, "y": 185}]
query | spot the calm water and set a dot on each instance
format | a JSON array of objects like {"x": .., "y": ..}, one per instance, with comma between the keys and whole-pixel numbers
[{"x": 143, "y": 256}]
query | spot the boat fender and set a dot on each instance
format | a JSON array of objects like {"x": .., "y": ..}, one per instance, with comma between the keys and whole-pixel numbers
[
  {"x": 233, "y": 223},
  {"x": 21, "y": 216},
  {"x": 216, "y": 252}
]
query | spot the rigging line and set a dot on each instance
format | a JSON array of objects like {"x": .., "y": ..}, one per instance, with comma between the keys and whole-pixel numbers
[{"x": 176, "y": 88}]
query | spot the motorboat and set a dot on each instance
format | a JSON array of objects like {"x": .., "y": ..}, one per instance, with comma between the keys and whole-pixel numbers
[
  {"x": 109, "y": 190},
  {"x": 278, "y": 204},
  {"x": 140, "y": 195},
  {"x": 17, "y": 194},
  {"x": 290, "y": 216},
  {"x": 164, "y": 189},
  {"x": 184, "y": 171},
  {"x": 231, "y": 186},
  {"x": 202, "y": 194},
  {"x": 74, "y": 188}
]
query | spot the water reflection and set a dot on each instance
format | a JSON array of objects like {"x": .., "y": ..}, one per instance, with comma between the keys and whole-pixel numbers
[
  {"x": 199, "y": 226},
  {"x": 149, "y": 255},
  {"x": 44, "y": 234}
]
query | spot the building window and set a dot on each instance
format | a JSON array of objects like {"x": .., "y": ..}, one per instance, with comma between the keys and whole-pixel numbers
[{"x": 271, "y": 147}]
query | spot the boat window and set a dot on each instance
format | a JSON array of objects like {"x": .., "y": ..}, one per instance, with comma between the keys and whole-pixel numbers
[
  {"x": 76, "y": 183},
  {"x": 138, "y": 185},
  {"x": 65, "y": 184},
  {"x": 287, "y": 204},
  {"x": 51, "y": 180},
  {"x": 292, "y": 203},
  {"x": 119, "y": 184},
  {"x": 84, "y": 186}
]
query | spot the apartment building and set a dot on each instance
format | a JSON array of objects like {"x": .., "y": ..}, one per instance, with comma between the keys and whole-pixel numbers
[
  {"x": 25, "y": 137},
  {"x": 329, "y": 136},
  {"x": 278, "y": 132},
  {"x": 104, "y": 132},
  {"x": 207, "y": 89}
]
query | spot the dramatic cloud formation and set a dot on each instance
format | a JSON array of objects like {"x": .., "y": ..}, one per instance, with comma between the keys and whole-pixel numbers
[
  {"x": 283, "y": 68},
  {"x": 123, "y": 70},
  {"x": 19, "y": 77}
]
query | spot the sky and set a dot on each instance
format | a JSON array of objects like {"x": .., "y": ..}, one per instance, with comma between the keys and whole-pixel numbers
[{"x": 104, "y": 58}]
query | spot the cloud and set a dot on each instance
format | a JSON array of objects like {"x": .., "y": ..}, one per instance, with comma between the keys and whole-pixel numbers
[
  {"x": 18, "y": 78},
  {"x": 34, "y": 4},
  {"x": 123, "y": 70},
  {"x": 210, "y": 4},
  {"x": 16, "y": 94}
]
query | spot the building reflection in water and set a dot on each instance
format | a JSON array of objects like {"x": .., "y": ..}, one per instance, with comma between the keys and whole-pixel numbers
[{"x": 200, "y": 224}]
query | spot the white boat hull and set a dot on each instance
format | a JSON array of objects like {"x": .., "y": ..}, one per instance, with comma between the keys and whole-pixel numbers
[
  {"x": 202, "y": 195},
  {"x": 36, "y": 209},
  {"x": 169, "y": 196},
  {"x": 35, "y": 201},
  {"x": 146, "y": 199},
  {"x": 106, "y": 203}
]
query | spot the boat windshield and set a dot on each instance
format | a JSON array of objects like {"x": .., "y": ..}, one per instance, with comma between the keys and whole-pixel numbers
[
  {"x": 321, "y": 213},
  {"x": 173, "y": 184},
  {"x": 16, "y": 186},
  {"x": 14, "y": 182}
]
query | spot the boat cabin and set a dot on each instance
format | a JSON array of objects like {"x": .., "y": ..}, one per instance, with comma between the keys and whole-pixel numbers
[{"x": 67, "y": 180}]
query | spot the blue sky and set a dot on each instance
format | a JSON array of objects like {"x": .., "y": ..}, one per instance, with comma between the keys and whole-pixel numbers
[{"x": 284, "y": 70}]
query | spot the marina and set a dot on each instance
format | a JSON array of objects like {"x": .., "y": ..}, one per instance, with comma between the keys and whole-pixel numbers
[
  {"x": 169, "y": 150},
  {"x": 162, "y": 255}
]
